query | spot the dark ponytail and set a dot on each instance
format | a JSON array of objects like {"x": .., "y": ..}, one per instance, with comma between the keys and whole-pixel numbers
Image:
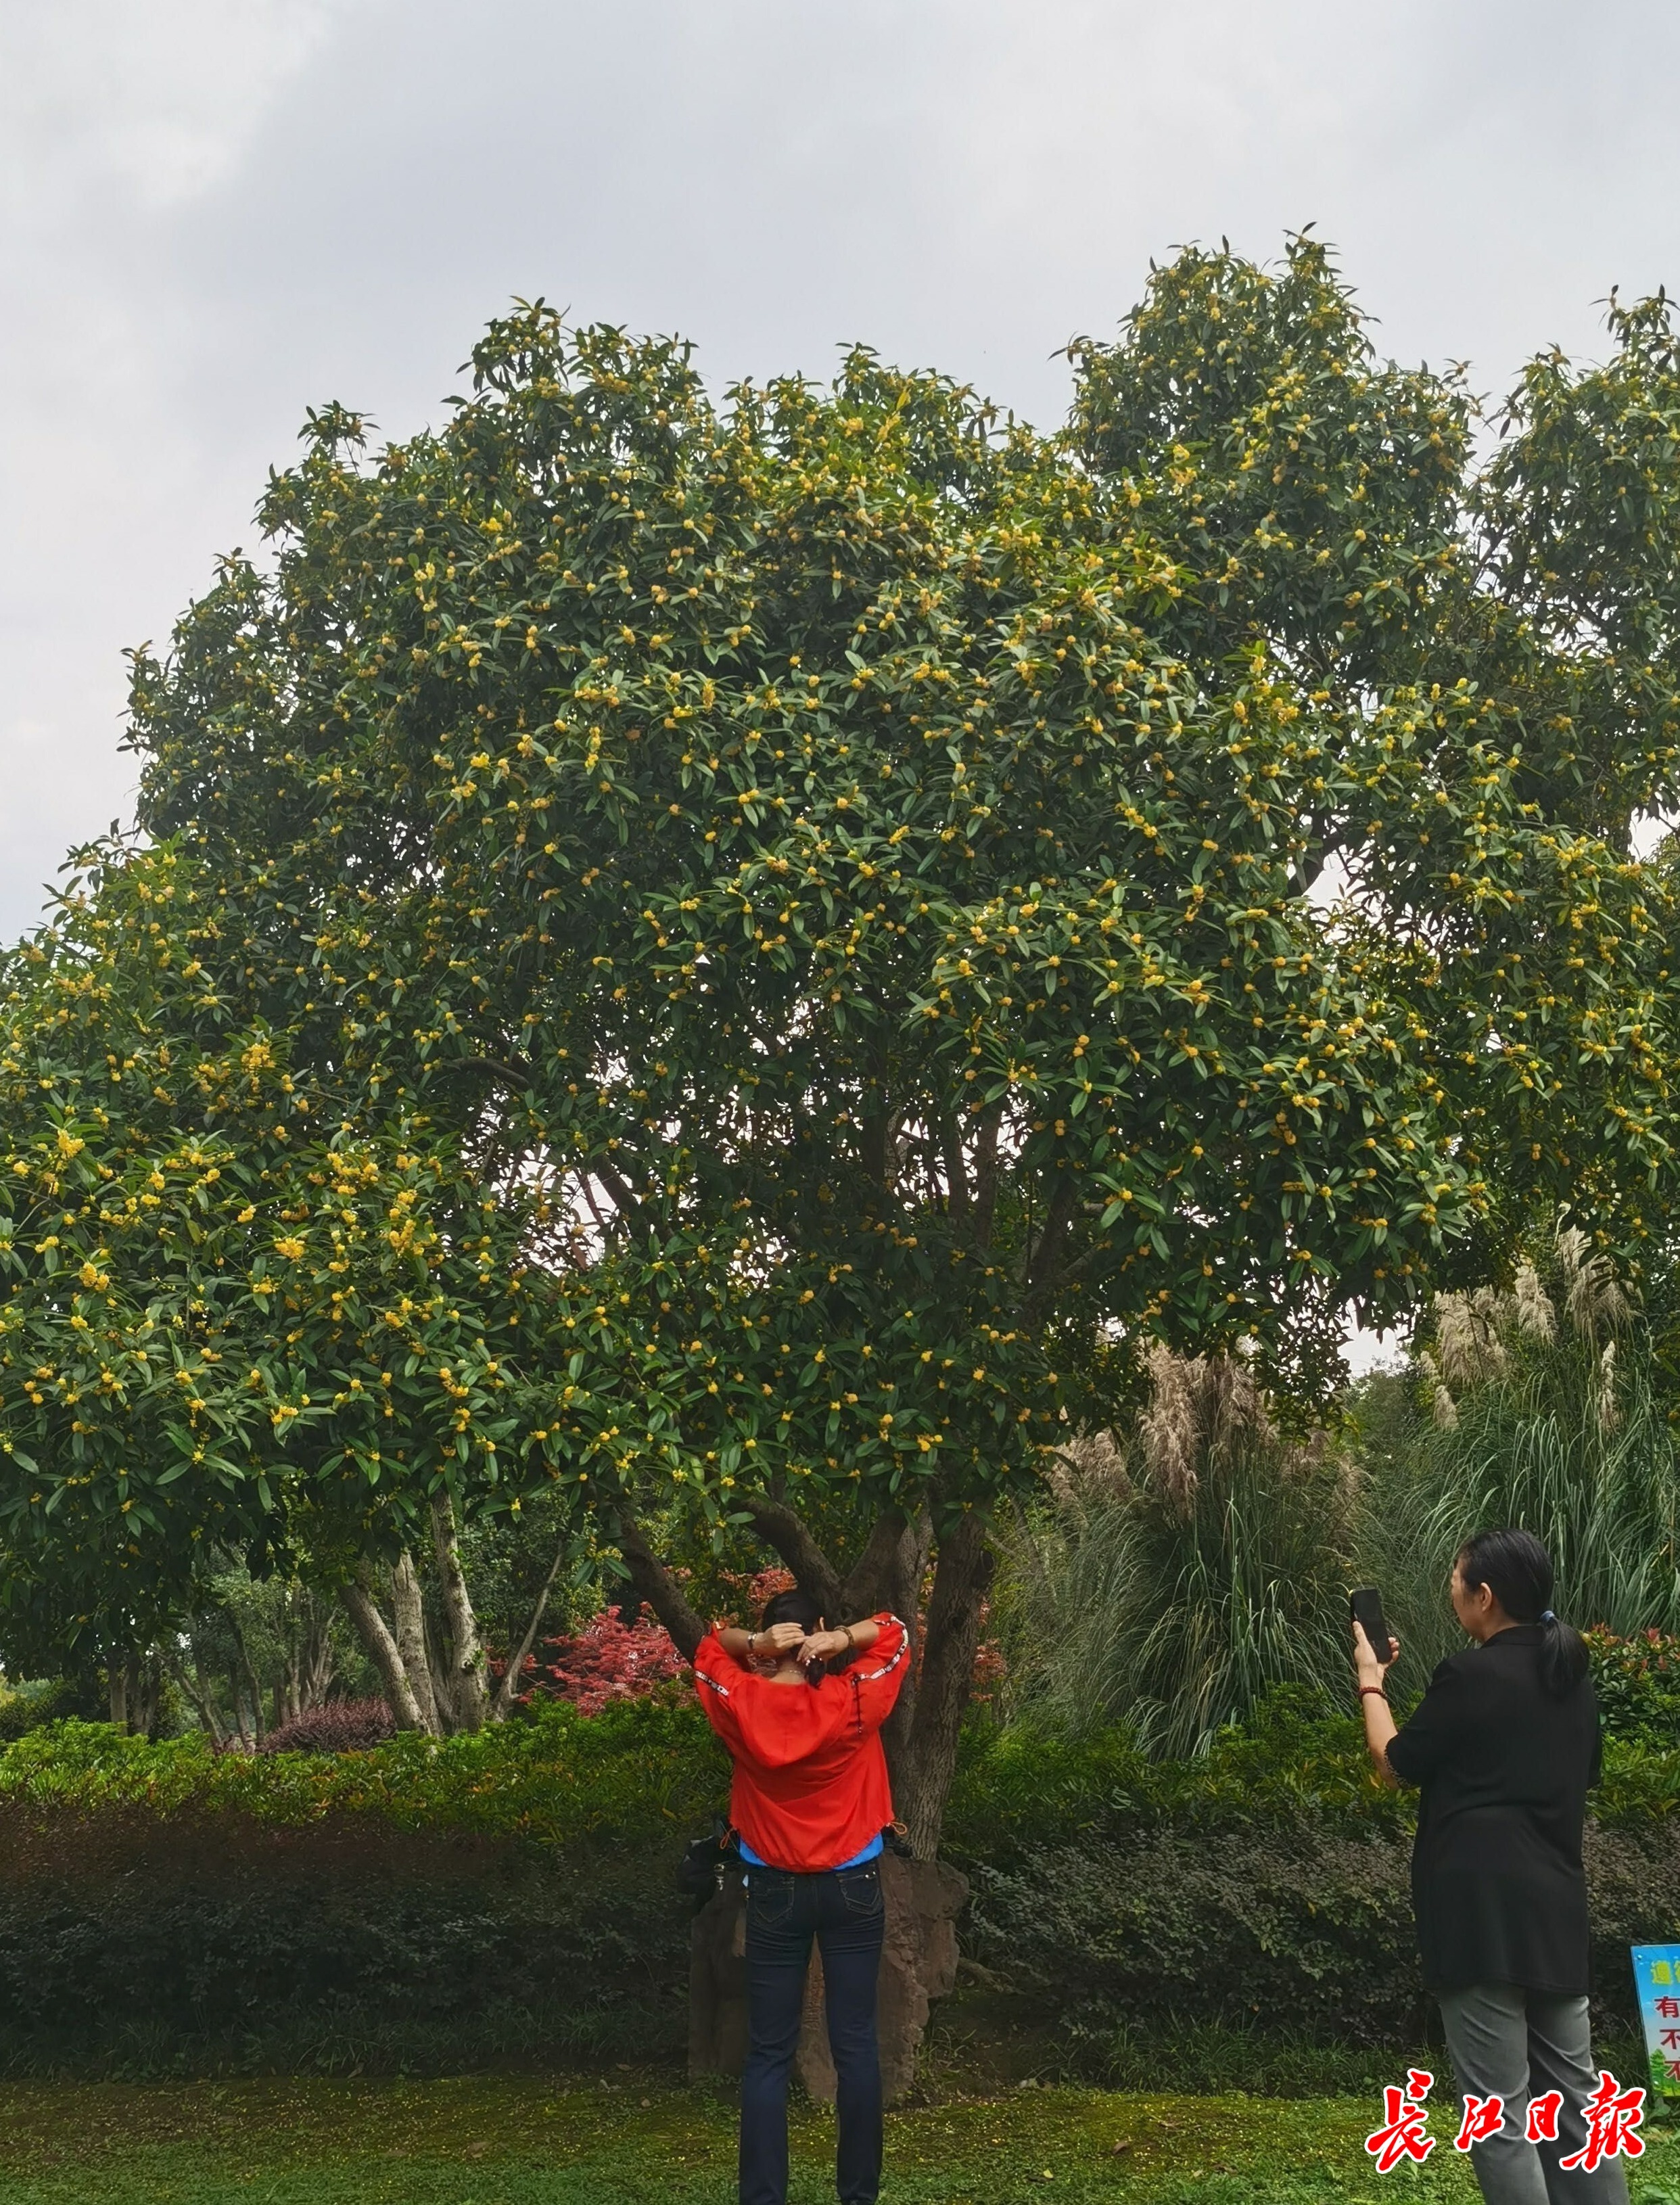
[
  {"x": 790, "y": 1607},
  {"x": 797, "y": 1606},
  {"x": 1517, "y": 1571}
]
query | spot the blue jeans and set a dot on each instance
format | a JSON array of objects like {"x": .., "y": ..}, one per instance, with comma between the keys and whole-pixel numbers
[{"x": 843, "y": 1909}]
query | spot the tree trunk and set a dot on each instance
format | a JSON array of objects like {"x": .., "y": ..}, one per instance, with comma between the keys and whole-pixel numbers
[
  {"x": 468, "y": 1669},
  {"x": 203, "y": 1700},
  {"x": 143, "y": 1693},
  {"x": 780, "y": 1527},
  {"x": 374, "y": 1634},
  {"x": 507, "y": 1691},
  {"x": 961, "y": 1577},
  {"x": 902, "y": 1590},
  {"x": 317, "y": 1658},
  {"x": 409, "y": 1614},
  {"x": 248, "y": 1670},
  {"x": 117, "y": 1676},
  {"x": 236, "y": 1694},
  {"x": 870, "y": 1584},
  {"x": 653, "y": 1582}
]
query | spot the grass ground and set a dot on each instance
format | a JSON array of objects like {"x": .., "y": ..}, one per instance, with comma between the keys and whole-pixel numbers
[{"x": 636, "y": 2141}]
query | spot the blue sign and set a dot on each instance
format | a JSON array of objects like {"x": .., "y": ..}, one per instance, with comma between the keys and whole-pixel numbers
[{"x": 1656, "y": 1975}]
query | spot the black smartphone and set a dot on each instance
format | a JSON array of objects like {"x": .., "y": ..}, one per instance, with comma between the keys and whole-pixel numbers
[{"x": 1365, "y": 1605}]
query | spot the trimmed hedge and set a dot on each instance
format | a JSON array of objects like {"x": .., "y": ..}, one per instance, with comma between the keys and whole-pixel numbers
[
  {"x": 502, "y": 1899},
  {"x": 225, "y": 1941},
  {"x": 509, "y": 1898},
  {"x": 554, "y": 1781},
  {"x": 1307, "y": 1931},
  {"x": 1265, "y": 1888}
]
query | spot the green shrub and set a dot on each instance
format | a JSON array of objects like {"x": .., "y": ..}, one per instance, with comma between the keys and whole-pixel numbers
[
  {"x": 1638, "y": 1682},
  {"x": 509, "y": 1898},
  {"x": 1262, "y": 1887},
  {"x": 222, "y": 1942},
  {"x": 555, "y": 1780},
  {"x": 505, "y": 1897},
  {"x": 32, "y": 1706}
]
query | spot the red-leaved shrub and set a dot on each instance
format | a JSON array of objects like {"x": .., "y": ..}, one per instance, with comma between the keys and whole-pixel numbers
[
  {"x": 339, "y": 1727},
  {"x": 607, "y": 1660}
]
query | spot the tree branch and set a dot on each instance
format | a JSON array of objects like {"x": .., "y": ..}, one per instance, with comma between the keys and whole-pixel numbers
[
  {"x": 778, "y": 1526},
  {"x": 508, "y": 1690},
  {"x": 191, "y": 1682},
  {"x": 1041, "y": 1270},
  {"x": 409, "y": 1615},
  {"x": 617, "y": 1185},
  {"x": 861, "y": 1595},
  {"x": 654, "y": 1583},
  {"x": 986, "y": 1174},
  {"x": 494, "y": 1065},
  {"x": 374, "y": 1634},
  {"x": 470, "y": 1688},
  {"x": 956, "y": 1172}
]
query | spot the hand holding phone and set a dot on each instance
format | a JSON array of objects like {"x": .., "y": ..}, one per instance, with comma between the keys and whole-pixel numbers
[{"x": 1365, "y": 1605}]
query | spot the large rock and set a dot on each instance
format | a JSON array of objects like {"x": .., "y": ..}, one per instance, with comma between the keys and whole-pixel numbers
[{"x": 918, "y": 1964}]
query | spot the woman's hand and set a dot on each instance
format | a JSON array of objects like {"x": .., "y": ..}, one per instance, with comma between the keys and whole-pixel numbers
[
  {"x": 824, "y": 1645},
  {"x": 759, "y": 1649},
  {"x": 781, "y": 1640},
  {"x": 1366, "y": 1666},
  {"x": 1377, "y": 1715}
]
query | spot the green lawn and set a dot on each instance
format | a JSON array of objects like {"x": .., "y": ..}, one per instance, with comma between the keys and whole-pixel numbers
[{"x": 641, "y": 2142}]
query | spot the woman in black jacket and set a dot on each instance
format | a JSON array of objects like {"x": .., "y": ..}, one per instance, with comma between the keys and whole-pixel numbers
[{"x": 1504, "y": 1745}]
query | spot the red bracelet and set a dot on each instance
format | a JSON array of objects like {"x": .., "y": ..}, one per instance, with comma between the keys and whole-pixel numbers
[{"x": 1377, "y": 1689}]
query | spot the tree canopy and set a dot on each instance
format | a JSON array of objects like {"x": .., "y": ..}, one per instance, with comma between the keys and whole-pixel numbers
[{"x": 739, "y": 957}]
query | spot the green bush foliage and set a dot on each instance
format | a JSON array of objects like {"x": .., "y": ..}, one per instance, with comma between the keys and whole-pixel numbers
[
  {"x": 555, "y": 1780},
  {"x": 224, "y": 1942},
  {"x": 1265, "y": 1885},
  {"x": 472, "y": 1902},
  {"x": 1638, "y": 1683},
  {"x": 489, "y": 1900}
]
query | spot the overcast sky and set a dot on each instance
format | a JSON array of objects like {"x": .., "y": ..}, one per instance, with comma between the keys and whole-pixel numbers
[{"x": 215, "y": 212}]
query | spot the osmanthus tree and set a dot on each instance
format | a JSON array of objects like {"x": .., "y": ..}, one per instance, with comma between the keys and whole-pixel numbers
[
  {"x": 831, "y": 905},
  {"x": 232, "y": 1318}
]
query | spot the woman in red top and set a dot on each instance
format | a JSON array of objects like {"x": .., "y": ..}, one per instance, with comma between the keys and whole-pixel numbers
[{"x": 808, "y": 1804}]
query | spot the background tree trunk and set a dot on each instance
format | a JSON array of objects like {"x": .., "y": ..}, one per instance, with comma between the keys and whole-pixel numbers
[
  {"x": 961, "y": 1576},
  {"x": 319, "y": 1659},
  {"x": 252, "y": 1683},
  {"x": 409, "y": 1614},
  {"x": 382, "y": 1651},
  {"x": 508, "y": 1690},
  {"x": 468, "y": 1670},
  {"x": 193, "y": 1683}
]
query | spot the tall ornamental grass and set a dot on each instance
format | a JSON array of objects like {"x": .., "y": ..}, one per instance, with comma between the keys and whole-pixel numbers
[
  {"x": 1175, "y": 1580},
  {"x": 1544, "y": 1418}
]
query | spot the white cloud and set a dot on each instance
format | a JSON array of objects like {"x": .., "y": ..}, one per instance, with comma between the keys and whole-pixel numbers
[
  {"x": 157, "y": 100},
  {"x": 213, "y": 212}
]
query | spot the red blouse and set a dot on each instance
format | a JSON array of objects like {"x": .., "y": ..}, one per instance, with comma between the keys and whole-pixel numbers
[{"x": 810, "y": 1787}]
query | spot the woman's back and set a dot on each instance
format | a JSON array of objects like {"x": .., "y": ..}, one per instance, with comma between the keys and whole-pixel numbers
[
  {"x": 811, "y": 1784},
  {"x": 1504, "y": 1769}
]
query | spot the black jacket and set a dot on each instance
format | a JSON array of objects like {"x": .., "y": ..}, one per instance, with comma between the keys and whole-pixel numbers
[{"x": 1496, "y": 1873}]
